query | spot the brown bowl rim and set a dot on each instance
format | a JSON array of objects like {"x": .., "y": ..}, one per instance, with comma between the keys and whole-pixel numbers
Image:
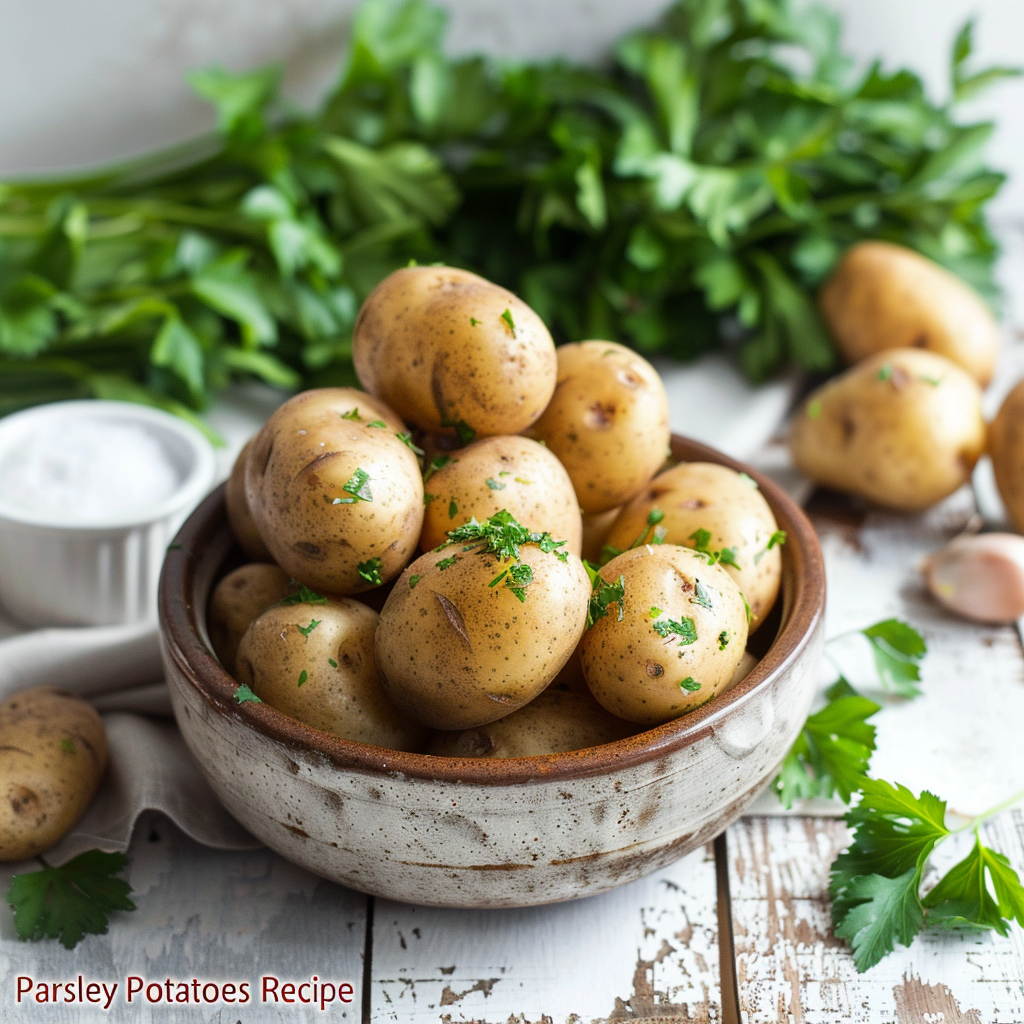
[{"x": 183, "y": 642}]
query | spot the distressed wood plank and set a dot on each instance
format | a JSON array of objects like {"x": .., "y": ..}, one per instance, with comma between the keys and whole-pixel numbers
[
  {"x": 647, "y": 949},
  {"x": 207, "y": 914},
  {"x": 791, "y": 968}
]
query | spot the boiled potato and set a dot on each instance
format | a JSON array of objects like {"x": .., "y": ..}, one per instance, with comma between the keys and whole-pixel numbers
[
  {"x": 747, "y": 665},
  {"x": 512, "y": 473},
  {"x": 315, "y": 662},
  {"x": 458, "y": 652},
  {"x": 1006, "y": 446},
  {"x": 453, "y": 353},
  {"x": 53, "y": 752},
  {"x": 704, "y": 496},
  {"x": 596, "y": 528},
  {"x": 238, "y": 599},
  {"x": 554, "y": 722},
  {"x": 883, "y": 296},
  {"x": 242, "y": 524},
  {"x": 902, "y": 428},
  {"x": 670, "y": 638},
  {"x": 336, "y": 496},
  {"x": 607, "y": 422}
]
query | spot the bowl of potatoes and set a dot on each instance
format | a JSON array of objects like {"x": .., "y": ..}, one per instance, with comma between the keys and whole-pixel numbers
[{"x": 483, "y": 633}]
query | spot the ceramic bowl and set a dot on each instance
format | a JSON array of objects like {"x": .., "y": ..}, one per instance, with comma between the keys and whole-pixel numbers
[{"x": 491, "y": 833}]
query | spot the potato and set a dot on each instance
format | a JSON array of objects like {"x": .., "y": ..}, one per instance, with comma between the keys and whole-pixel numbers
[
  {"x": 53, "y": 752},
  {"x": 457, "y": 652},
  {"x": 695, "y": 496},
  {"x": 453, "y": 353},
  {"x": 747, "y": 665},
  {"x": 512, "y": 473},
  {"x": 596, "y": 528},
  {"x": 237, "y": 600},
  {"x": 315, "y": 662},
  {"x": 242, "y": 524},
  {"x": 337, "y": 499},
  {"x": 1006, "y": 446},
  {"x": 552, "y": 723},
  {"x": 883, "y": 296},
  {"x": 903, "y": 428},
  {"x": 607, "y": 422},
  {"x": 670, "y": 639}
]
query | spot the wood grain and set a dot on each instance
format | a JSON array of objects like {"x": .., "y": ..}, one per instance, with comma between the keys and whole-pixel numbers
[{"x": 647, "y": 949}]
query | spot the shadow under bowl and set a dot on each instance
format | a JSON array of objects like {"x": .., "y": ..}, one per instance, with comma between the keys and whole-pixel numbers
[{"x": 490, "y": 833}]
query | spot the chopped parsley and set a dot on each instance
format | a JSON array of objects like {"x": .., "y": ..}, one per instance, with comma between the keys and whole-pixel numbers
[
  {"x": 474, "y": 322},
  {"x": 603, "y": 594},
  {"x": 885, "y": 373},
  {"x": 507, "y": 317},
  {"x": 413, "y": 580},
  {"x": 406, "y": 438},
  {"x": 453, "y": 509},
  {"x": 358, "y": 487},
  {"x": 702, "y": 538},
  {"x": 370, "y": 571},
  {"x": 523, "y": 480},
  {"x": 303, "y": 676},
  {"x": 683, "y": 628},
  {"x": 652, "y": 533},
  {"x": 377, "y": 423},
  {"x": 447, "y": 563},
  {"x": 304, "y": 596},
  {"x": 814, "y": 409},
  {"x": 748, "y": 480},
  {"x": 462, "y": 428},
  {"x": 701, "y": 596},
  {"x": 746, "y": 605},
  {"x": 243, "y": 695},
  {"x": 655, "y": 612},
  {"x": 690, "y": 685},
  {"x": 306, "y": 630},
  {"x": 777, "y": 538},
  {"x": 428, "y": 497},
  {"x": 332, "y": 663},
  {"x": 723, "y": 639},
  {"x": 436, "y": 463},
  {"x": 494, "y": 485},
  {"x": 352, "y": 414},
  {"x": 68, "y": 746},
  {"x": 517, "y": 578}
]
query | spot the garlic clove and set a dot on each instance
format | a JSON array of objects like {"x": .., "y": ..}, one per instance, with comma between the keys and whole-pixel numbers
[{"x": 979, "y": 577}]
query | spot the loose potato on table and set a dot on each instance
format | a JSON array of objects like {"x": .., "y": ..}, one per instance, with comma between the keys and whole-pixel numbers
[
  {"x": 698, "y": 498},
  {"x": 883, "y": 296},
  {"x": 337, "y": 496},
  {"x": 467, "y": 637},
  {"x": 672, "y": 631},
  {"x": 53, "y": 752},
  {"x": 315, "y": 662},
  {"x": 1006, "y": 446},
  {"x": 451, "y": 352},
  {"x": 239, "y": 598},
  {"x": 552, "y": 723},
  {"x": 903, "y": 428},
  {"x": 607, "y": 422},
  {"x": 512, "y": 473}
]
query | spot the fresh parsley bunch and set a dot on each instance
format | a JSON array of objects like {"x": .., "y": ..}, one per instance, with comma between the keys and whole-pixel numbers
[{"x": 690, "y": 192}]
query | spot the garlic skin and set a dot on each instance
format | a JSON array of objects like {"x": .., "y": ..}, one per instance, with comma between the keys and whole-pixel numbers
[{"x": 979, "y": 577}]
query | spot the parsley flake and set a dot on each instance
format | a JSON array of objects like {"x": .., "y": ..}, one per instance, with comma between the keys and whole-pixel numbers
[
  {"x": 306, "y": 630},
  {"x": 700, "y": 596},
  {"x": 68, "y": 746},
  {"x": 655, "y": 612},
  {"x": 243, "y": 695},
  {"x": 474, "y": 322},
  {"x": 723, "y": 639},
  {"x": 370, "y": 571},
  {"x": 814, "y": 409},
  {"x": 428, "y": 497},
  {"x": 885, "y": 373},
  {"x": 447, "y": 563},
  {"x": 406, "y": 438},
  {"x": 358, "y": 487},
  {"x": 507, "y": 317},
  {"x": 377, "y": 423},
  {"x": 303, "y": 676},
  {"x": 690, "y": 685},
  {"x": 777, "y": 538},
  {"x": 352, "y": 414},
  {"x": 683, "y": 628},
  {"x": 304, "y": 596},
  {"x": 436, "y": 463},
  {"x": 332, "y": 663},
  {"x": 453, "y": 509},
  {"x": 494, "y": 485},
  {"x": 413, "y": 580},
  {"x": 604, "y": 594}
]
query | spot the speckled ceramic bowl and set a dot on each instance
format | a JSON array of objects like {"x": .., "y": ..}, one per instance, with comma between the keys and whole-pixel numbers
[{"x": 490, "y": 833}]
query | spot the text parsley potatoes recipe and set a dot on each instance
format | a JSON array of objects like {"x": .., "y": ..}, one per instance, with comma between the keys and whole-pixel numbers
[{"x": 481, "y": 446}]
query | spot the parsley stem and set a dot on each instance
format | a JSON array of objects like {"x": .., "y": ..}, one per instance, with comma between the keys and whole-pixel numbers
[{"x": 1003, "y": 805}]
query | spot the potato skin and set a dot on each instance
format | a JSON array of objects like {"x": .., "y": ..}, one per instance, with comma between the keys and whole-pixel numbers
[
  {"x": 53, "y": 752},
  {"x": 239, "y": 599},
  {"x": 884, "y": 296},
  {"x": 902, "y": 428},
  {"x": 432, "y": 343},
  {"x": 243, "y": 526},
  {"x": 635, "y": 672},
  {"x": 596, "y": 528},
  {"x": 512, "y": 473},
  {"x": 554, "y": 722},
  {"x": 295, "y": 482},
  {"x": 457, "y": 653},
  {"x": 607, "y": 422},
  {"x": 705, "y": 496},
  {"x": 293, "y": 673},
  {"x": 1006, "y": 446}
]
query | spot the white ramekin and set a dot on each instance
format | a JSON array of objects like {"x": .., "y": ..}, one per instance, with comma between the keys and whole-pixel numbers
[{"x": 52, "y": 573}]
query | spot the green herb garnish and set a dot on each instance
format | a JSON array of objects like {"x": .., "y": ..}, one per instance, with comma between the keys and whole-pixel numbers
[
  {"x": 494, "y": 485},
  {"x": 700, "y": 596},
  {"x": 885, "y": 373},
  {"x": 352, "y": 414},
  {"x": 436, "y": 463},
  {"x": 690, "y": 685},
  {"x": 702, "y": 538},
  {"x": 303, "y": 676},
  {"x": 332, "y": 663},
  {"x": 413, "y": 580},
  {"x": 447, "y": 563},
  {"x": 683, "y": 628},
  {"x": 358, "y": 486},
  {"x": 380, "y": 424},
  {"x": 243, "y": 695},
  {"x": 453, "y": 509},
  {"x": 814, "y": 409},
  {"x": 507, "y": 317},
  {"x": 304, "y": 596},
  {"x": 723, "y": 639},
  {"x": 68, "y": 746},
  {"x": 777, "y": 538},
  {"x": 306, "y": 630},
  {"x": 603, "y": 594},
  {"x": 406, "y": 439},
  {"x": 370, "y": 571}
]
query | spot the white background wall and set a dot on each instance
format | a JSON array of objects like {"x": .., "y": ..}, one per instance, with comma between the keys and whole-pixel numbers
[{"x": 86, "y": 81}]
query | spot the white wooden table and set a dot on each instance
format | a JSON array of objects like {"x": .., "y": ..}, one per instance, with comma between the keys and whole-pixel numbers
[{"x": 738, "y": 931}]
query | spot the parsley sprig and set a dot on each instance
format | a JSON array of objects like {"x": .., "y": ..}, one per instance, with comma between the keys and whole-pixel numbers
[
  {"x": 652, "y": 533},
  {"x": 70, "y": 901},
  {"x": 604, "y": 593}
]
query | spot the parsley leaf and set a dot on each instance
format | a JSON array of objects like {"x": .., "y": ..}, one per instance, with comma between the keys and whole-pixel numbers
[
  {"x": 727, "y": 556},
  {"x": 507, "y": 317},
  {"x": 436, "y": 463},
  {"x": 352, "y": 414},
  {"x": 684, "y": 628},
  {"x": 406, "y": 438},
  {"x": 70, "y": 901},
  {"x": 701, "y": 596},
  {"x": 898, "y": 649},
  {"x": 303, "y": 676},
  {"x": 306, "y": 630},
  {"x": 413, "y": 580},
  {"x": 690, "y": 685},
  {"x": 453, "y": 509},
  {"x": 777, "y": 538},
  {"x": 447, "y": 563},
  {"x": 358, "y": 486},
  {"x": 370, "y": 571},
  {"x": 244, "y": 695},
  {"x": 378, "y": 423},
  {"x": 304, "y": 596},
  {"x": 604, "y": 594},
  {"x": 494, "y": 485}
]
